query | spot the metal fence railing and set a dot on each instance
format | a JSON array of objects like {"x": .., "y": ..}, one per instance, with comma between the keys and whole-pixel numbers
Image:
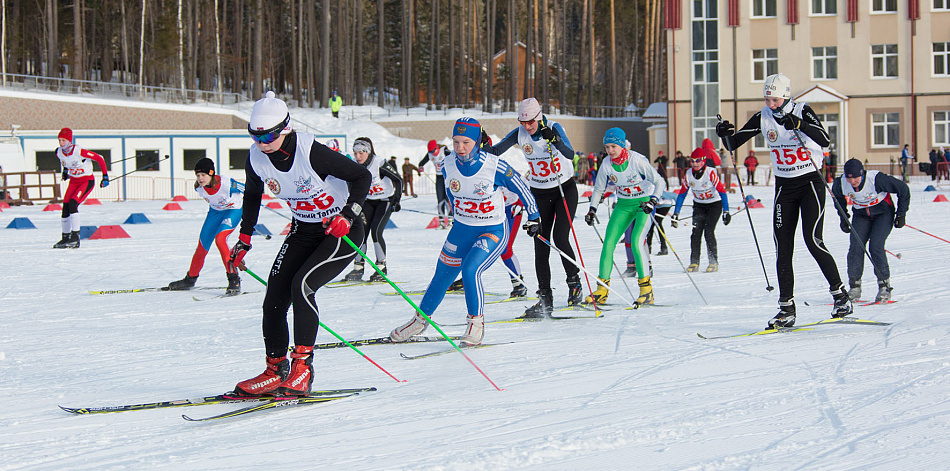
[{"x": 150, "y": 93}]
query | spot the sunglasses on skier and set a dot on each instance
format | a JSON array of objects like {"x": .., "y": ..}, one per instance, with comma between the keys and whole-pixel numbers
[{"x": 268, "y": 135}]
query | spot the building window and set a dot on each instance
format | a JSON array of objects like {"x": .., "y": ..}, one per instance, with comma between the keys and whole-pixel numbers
[
  {"x": 885, "y": 129},
  {"x": 146, "y": 160},
  {"x": 884, "y": 60},
  {"x": 824, "y": 7},
  {"x": 237, "y": 158},
  {"x": 763, "y": 8},
  {"x": 883, "y": 6},
  {"x": 824, "y": 63},
  {"x": 941, "y": 59},
  {"x": 830, "y": 122},
  {"x": 764, "y": 63},
  {"x": 705, "y": 65},
  {"x": 941, "y": 5},
  {"x": 191, "y": 156},
  {"x": 941, "y": 128}
]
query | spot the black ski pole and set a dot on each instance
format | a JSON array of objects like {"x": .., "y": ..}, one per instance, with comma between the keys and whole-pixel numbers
[
  {"x": 755, "y": 238},
  {"x": 140, "y": 168}
]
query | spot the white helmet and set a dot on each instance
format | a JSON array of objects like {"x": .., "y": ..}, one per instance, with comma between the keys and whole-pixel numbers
[
  {"x": 269, "y": 114},
  {"x": 778, "y": 86}
]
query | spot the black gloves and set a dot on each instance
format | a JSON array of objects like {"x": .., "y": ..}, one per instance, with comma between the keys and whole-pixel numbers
[
  {"x": 65, "y": 174},
  {"x": 396, "y": 207},
  {"x": 790, "y": 121},
  {"x": 899, "y": 221},
  {"x": 532, "y": 227},
  {"x": 591, "y": 216},
  {"x": 675, "y": 220},
  {"x": 648, "y": 206},
  {"x": 485, "y": 141},
  {"x": 726, "y": 218},
  {"x": 548, "y": 134},
  {"x": 845, "y": 227},
  {"x": 725, "y": 128}
]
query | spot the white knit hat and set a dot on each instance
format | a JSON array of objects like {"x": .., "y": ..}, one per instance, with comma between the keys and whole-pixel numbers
[
  {"x": 777, "y": 86},
  {"x": 529, "y": 110},
  {"x": 268, "y": 113}
]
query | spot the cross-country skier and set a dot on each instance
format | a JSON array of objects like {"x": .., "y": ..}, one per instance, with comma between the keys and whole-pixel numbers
[
  {"x": 77, "y": 168},
  {"x": 480, "y": 233},
  {"x": 874, "y": 216},
  {"x": 549, "y": 155},
  {"x": 709, "y": 204},
  {"x": 382, "y": 201},
  {"x": 313, "y": 180},
  {"x": 224, "y": 196},
  {"x": 436, "y": 154},
  {"x": 639, "y": 187},
  {"x": 799, "y": 188}
]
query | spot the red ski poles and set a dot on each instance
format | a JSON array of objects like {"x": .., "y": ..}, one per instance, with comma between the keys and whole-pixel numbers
[{"x": 925, "y": 232}]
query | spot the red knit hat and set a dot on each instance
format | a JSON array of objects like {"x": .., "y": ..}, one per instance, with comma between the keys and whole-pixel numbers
[
  {"x": 66, "y": 133},
  {"x": 433, "y": 145}
]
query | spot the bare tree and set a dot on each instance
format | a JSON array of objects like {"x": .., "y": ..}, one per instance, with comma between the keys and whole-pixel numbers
[
  {"x": 381, "y": 53},
  {"x": 258, "y": 55},
  {"x": 325, "y": 55},
  {"x": 359, "y": 53}
]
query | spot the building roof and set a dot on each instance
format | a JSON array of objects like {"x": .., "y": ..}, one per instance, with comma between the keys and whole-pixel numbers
[
  {"x": 655, "y": 112},
  {"x": 821, "y": 94}
]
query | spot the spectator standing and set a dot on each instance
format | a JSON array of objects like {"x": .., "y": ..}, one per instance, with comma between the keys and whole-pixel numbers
[
  {"x": 940, "y": 169},
  {"x": 933, "y": 164},
  {"x": 661, "y": 162},
  {"x": 751, "y": 162},
  {"x": 407, "y": 177},
  {"x": 335, "y": 104},
  {"x": 905, "y": 159},
  {"x": 681, "y": 163}
]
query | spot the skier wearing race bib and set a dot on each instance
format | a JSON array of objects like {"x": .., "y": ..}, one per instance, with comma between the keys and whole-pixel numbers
[
  {"x": 549, "y": 154},
  {"x": 795, "y": 138},
  {"x": 479, "y": 236},
  {"x": 325, "y": 193},
  {"x": 382, "y": 201},
  {"x": 77, "y": 168},
  {"x": 436, "y": 154},
  {"x": 224, "y": 197},
  {"x": 709, "y": 204},
  {"x": 874, "y": 216},
  {"x": 638, "y": 189}
]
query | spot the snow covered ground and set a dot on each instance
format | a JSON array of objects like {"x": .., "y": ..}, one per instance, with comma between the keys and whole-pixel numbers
[{"x": 631, "y": 390}]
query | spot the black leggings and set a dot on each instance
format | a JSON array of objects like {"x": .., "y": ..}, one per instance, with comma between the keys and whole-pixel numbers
[
  {"x": 307, "y": 260},
  {"x": 554, "y": 217},
  {"x": 377, "y": 214},
  {"x": 872, "y": 231},
  {"x": 705, "y": 218},
  {"x": 661, "y": 213},
  {"x": 803, "y": 196}
]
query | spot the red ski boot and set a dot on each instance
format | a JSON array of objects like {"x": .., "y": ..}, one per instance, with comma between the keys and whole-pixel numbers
[
  {"x": 267, "y": 382},
  {"x": 298, "y": 382}
]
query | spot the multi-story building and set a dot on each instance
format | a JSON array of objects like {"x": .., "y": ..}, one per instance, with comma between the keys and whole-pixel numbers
[{"x": 877, "y": 72}]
